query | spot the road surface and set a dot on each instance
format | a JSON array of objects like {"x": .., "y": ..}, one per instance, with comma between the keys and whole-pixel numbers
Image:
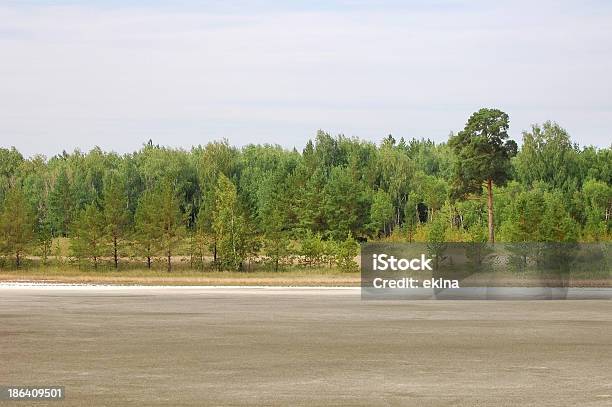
[{"x": 195, "y": 346}]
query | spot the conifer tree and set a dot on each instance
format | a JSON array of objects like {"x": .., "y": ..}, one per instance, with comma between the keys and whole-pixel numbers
[
  {"x": 483, "y": 156},
  {"x": 115, "y": 213},
  {"x": 61, "y": 205},
  {"x": 16, "y": 224},
  {"x": 171, "y": 224},
  {"x": 146, "y": 226},
  {"x": 88, "y": 237}
]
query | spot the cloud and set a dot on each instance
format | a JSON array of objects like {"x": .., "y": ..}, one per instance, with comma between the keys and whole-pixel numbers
[{"x": 78, "y": 75}]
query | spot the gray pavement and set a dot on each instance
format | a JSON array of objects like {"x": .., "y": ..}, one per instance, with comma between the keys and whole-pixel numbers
[{"x": 194, "y": 346}]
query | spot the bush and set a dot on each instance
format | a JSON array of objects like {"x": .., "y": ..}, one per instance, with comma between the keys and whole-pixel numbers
[{"x": 345, "y": 257}]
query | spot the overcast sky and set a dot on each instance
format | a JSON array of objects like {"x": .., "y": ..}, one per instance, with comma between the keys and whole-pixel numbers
[{"x": 75, "y": 74}]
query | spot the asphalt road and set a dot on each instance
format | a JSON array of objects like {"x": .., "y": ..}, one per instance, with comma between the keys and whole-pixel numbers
[{"x": 114, "y": 346}]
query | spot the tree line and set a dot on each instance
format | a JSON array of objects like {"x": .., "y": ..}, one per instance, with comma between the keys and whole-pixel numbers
[{"x": 222, "y": 206}]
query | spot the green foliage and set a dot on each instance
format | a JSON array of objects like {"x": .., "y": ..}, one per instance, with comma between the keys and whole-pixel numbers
[
  {"x": 483, "y": 151},
  {"x": 170, "y": 221},
  {"x": 147, "y": 234},
  {"x": 61, "y": 205},
  {"x": 16, "y": 224},
  {"x": 381, "y": 212},
  {"x": 539, "y": 216},
  {"x": 346, "y": 253},
  {"x": 229, "y": 225},
  {"x": 436, "y": 237},
  {"x": 313, "y": 249},
  {"x": 88, "y": 235},
  {"x": 411, "y": 214},
  {"x": 265, "y": 203},
  {"x": 343, "y": 204},
  {"x": 276, "y": 239},
  {"x": 435, "y": 193},
  {"x": 548, "y": 156},
  {"x": 557, "y": 224},
  {"x": 116, "y": 213},
  {"x": 483, "y": 155},
  {"x": 10, "y": 163}
]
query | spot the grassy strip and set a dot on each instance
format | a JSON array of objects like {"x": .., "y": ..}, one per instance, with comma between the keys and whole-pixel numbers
[
  {"x": 300, "y": 277},
  {"x": 297, "y": 276}
]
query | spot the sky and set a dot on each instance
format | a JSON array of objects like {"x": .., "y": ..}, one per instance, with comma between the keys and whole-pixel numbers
[{"x": 76, "y": 74}]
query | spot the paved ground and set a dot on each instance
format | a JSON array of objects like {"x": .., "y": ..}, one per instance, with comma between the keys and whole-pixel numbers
[{"x": 232, "y": 346}]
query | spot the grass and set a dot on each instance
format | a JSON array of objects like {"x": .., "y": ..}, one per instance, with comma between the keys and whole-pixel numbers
[{"x": 302, "y": 277}]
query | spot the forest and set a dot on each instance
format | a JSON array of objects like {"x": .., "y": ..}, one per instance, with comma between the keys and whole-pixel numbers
[{"x": 219, "y": 207}]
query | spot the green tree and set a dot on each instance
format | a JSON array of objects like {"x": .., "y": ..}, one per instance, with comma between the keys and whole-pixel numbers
[
  {"x": 16, "y": 224},
  {"x": 344, "y": 205},
  {"x": 435, "y": 193},
  {"x": 411, "y": 214},
  {"x": 347, "y": 251},
  {"x": 10, "y": 163},
  {"x": 381, "y": 212},
  {"x": 61, "y": 205},
  {"x": 202, "y": 235},
  {"x": 483, "y": 156},
  {"x": 396, "y": 173},
  {"x": 276, "y": 239},
  {"x": 524, "y": 218},
  {"x": 88, "y": 237},
  {"x": 313, "y": 248},
  {"x": 171, "y": 223},
  {"x": 229, "y": 225},
  {"x": 557, "y": 224},
  {"x": 548, "y": 155},
  {"x": 436, "y": 237},
  {"x": 146, "y": 225},
  {"x": 116, "y": 213},
  {"x": 598, "y": 197},
  {"x": 44, "y": 232}
]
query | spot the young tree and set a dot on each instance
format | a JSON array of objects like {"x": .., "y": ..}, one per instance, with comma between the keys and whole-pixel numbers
[
  {"x": 411, "y": 214},
  {"x": 202, "y": 236},
  {"x": 171, "y": 223},
  {"x": 146, "y": 225},
  {"x": 397, "y": 171},
  {"x": 347, "y": 250},
  {"x": 10, "y": 162},
  {"x": 229, "y": 225},
  {"x": 116, "y": 213},
  {"x": 313, "y": 248},
  {"x": 436, "y": 237},
  {"x": 61, "y": 205},
  {"x": 598, "y": 197},
  {"x": 557, "y": 224},
  {"x": 435, "y": 191},
  {"x": 381, "y": 212},
  {"x": 88, "y": 239},
  {"x": 44, "y": 233},
  {"x": 276, "y": 240},
  {"x": 483, "y": 156},
  {"x": 16, "y": 224},
  {"x": 343, "y": 203},
  {"x": 524, "y": 218}
]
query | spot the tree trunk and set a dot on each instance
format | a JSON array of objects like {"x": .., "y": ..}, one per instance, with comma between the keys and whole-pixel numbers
[
  {"x": 490, "y": 210},
  {"x": 116, "y": 258},
  {"x": 149, "y": 262},
  {"x": 17, "y": 259},
  {"x": 169, "y": 262}
]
